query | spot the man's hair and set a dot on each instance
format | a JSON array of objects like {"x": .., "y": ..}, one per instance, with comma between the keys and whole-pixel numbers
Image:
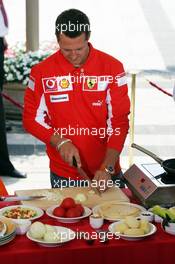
[{"x": 72, "y": 23}]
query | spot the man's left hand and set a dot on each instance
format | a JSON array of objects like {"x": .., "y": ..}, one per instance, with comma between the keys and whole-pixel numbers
[{"x": 104, "y": 177}]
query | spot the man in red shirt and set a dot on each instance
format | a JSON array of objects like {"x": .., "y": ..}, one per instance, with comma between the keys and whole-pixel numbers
[{"x": 77, "y": 103}]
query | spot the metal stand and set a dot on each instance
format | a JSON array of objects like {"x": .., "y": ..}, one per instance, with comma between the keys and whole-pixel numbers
[{"x": 132, "y": 117}]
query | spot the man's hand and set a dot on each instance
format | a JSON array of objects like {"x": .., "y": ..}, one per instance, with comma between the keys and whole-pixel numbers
[
  {"x": 104, "y": 177},
  {"x": 68, "y": 151}
]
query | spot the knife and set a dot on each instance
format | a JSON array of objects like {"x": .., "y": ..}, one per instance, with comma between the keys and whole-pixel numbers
[
  {"x": 20, "y": 198},
  {"x": 85, "y": 176}
]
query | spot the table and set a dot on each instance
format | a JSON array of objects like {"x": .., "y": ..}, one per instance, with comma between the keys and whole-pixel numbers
[{"x": 159, "y": 248}]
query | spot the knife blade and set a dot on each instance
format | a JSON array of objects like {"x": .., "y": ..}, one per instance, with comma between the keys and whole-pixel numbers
[
  {"x": 86, "y": 177},
  {"x": 20, "y": 198}
]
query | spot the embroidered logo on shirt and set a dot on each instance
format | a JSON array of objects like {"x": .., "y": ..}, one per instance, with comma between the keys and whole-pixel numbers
[
  {"x": 95, "y": 83},
  {"x": 59, "y": 98},
  {"x": 31, "y": 83},
  {"x": 98, "y": 103},
  {"x": 90, "y": 83},
  {"x": 57, "y": 84},
  {"x": 102, "y": 84},
  {"x": 50, "y": 84},
  {"x": 121, "y": 79},
  {"x": 64, "y": 83}
]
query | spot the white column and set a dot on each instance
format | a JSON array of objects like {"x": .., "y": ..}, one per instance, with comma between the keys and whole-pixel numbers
[{"x": 32, "y": 25}]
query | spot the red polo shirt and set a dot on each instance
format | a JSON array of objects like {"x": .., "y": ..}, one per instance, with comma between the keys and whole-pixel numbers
[{"x": 88, "y": 105}]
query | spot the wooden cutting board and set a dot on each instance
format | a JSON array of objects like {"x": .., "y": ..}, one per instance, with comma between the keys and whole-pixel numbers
[{"x": 54, "y": 196}]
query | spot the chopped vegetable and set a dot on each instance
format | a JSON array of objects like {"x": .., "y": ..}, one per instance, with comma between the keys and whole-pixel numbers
[{"x": 20, "y": 213}]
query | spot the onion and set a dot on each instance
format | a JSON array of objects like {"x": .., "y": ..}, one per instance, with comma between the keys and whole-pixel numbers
[{"x": 80, "y": 197}]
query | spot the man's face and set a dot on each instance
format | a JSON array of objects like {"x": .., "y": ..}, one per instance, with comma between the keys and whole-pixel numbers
[{"x": 75, "y": 50}]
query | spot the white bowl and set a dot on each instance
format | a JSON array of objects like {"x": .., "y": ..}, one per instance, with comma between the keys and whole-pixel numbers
[
  {"x": 39, "y": 212},
  {"x": 170, "y": 228},
  {"x": 22, "y": 226},
  {"x": 96, "y": 222},
  {"x": 158, "y": 219},
  {"x": 97, "y": 209},
  {"x": 65, "y": 220},
  {"x": 66, "y": 235},
  {"x": 112, "y": 228},
  {"x": 149, "y": 216}
]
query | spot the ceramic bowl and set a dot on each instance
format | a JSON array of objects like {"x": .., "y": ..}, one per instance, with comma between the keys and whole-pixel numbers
[{"x": 22, "y": 226}]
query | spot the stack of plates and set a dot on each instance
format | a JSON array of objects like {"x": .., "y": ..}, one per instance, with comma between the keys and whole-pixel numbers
[{"x": 8, "y": 232}]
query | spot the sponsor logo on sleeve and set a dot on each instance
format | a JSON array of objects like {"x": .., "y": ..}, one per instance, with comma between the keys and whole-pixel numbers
[
  {"x": 31, "y": 83},
  {"x": 102, "y": 83},
  {"x": 121, "y": 79}
]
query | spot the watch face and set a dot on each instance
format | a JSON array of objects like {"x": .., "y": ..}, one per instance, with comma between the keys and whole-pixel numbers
[{"x": 110, "y": 169}]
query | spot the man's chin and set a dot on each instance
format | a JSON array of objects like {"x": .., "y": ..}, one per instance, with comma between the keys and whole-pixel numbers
[{"x": 75, "y": 63}]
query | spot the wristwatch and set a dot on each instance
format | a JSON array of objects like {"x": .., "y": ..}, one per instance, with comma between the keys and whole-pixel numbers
[{"x": 110, "y": 170}]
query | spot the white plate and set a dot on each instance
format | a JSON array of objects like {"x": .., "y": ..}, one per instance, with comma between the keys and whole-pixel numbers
[
  {"x": 39, "y": 212},
  {"x": 112, "y": 226},
  {"x": 6, "y": 241},
  {"x": 49, "y": 212},
  {"x": 4, "y": 229},
  {"x": 66, "y": 235},
  {"x": 95, "y": 209}
]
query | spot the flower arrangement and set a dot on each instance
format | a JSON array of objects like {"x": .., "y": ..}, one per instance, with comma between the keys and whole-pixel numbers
[{"x": 18, "y": 63}]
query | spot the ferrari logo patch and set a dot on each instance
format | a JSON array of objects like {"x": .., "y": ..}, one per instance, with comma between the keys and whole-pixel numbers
[{"x": 90, "y": 84}]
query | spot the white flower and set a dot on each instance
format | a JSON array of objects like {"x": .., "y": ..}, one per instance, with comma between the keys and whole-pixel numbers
[{"x": 17, "y": 68}]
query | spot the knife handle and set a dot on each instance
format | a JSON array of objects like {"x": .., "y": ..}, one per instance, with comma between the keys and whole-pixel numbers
[{"x": 74, "y": 162}]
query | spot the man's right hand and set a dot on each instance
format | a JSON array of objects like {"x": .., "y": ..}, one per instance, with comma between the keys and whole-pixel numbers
[{"x": 68, "y": 151}]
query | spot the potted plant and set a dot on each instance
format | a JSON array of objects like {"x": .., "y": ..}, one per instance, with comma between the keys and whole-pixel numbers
[{"x": 17, "y": 66}]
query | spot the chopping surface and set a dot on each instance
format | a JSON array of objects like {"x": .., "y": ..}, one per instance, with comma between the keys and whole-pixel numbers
[{"x": 54, "y": 196}]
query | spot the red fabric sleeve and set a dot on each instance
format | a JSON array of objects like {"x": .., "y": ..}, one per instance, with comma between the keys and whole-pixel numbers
[
  {"x": 118, "y": 110},
  {"x": 35, "y": 109}
]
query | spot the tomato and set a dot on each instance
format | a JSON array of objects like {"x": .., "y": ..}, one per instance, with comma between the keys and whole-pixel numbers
[
  {"x": 68, "y": 203},
  {"x": 59, "y": 211},
  {"x": 72, "y": 213},
  {"x": 80, "y": 208}
]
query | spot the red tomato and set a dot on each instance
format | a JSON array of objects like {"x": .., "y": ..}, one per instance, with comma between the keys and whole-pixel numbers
[
  {"x": 72, "y": 212},
  {"x": 59, "y": 211},
  {"x": 68, "y": 203},
  {"x": 80, "y": 208}
]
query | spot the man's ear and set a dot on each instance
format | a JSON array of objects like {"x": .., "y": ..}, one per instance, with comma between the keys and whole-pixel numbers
[
  {"x": 88, "y": 36},
  {"x": 58, "y": 38}
]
